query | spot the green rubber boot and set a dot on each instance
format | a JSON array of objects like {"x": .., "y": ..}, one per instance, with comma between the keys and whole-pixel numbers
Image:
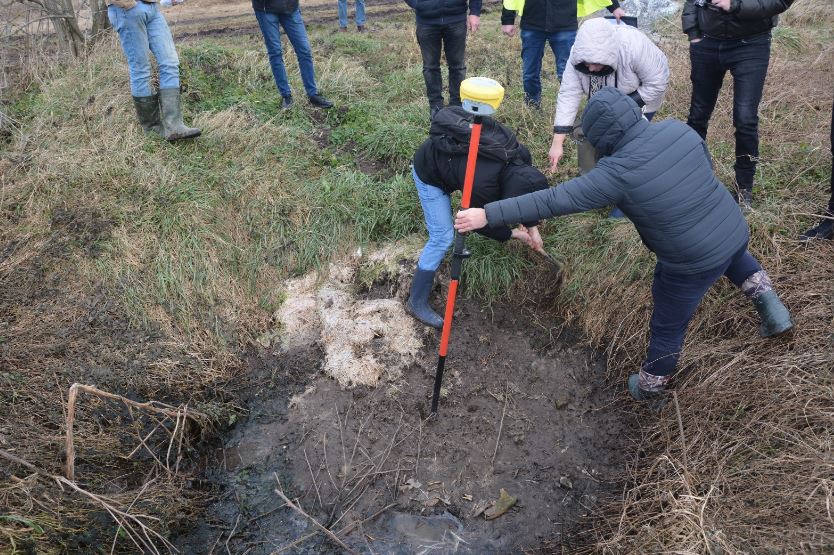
[
  {"x": 776, "y": 319},
  {"x": 173, "y": 127},
  {"x": 147, "y": 110}
]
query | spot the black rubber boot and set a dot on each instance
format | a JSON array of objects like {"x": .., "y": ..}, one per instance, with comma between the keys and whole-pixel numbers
[
  {"x": 173, "y": 127},
  {"x": 418, "y": 300},
  {"x": 823, "y": 230},
  {"x": 147, "y": 110},
  {"x": 776, "y": 319}
]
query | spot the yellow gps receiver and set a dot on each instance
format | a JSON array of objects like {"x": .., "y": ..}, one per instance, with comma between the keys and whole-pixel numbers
[{"x": 481, "y": 95}]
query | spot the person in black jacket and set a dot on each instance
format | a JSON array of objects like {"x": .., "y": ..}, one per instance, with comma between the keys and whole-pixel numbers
[
  {"x": 271, "y": 16},
  {"x": 442, "y": 24},
  {"x": 543, "y": 22},
  {"x": 734, "y": 36},
  {"x": 503, "y": 170},
  {"x": 825, "y": 229},
  {"x": 661, "y": 176}
]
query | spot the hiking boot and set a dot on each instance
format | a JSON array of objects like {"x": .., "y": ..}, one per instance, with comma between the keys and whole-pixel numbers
[
  {"x": 173, "y": 127},
  {"x": 418, "y": 299},
  {"x": 433, "y": 111},
  {"x": 653, "y": 400},
  {"x": 532, "y": 103},
  {"x": 744, "y": 198},
  {"x": 286, "y": 102},
  {"x": 343, "y": 29},
  {"x": 319, "y": 101},
  {"x": 776, "y": 319},
  {"x": 360, "y": 28},
  {"x": 147, "y": 110},
  {"x": 823, "y": 230}
]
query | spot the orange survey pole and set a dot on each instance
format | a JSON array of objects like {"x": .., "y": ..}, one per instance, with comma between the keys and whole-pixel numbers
[{"x": 459, "y": 253}]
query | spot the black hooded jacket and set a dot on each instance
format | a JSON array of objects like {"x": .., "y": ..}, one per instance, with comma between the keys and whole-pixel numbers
[
  {"x": 745, "y": 18},
  {"x": 275, "y": 6},
  {"x": 659, "y": 174},
  {"x": 503, "y": 169}
]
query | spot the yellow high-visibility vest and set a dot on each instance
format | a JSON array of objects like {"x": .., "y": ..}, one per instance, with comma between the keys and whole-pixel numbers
[{"x": 583, "y": 7}]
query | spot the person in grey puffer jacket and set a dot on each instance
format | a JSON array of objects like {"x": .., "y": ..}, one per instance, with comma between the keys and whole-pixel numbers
[{"x": 661, "y": 176}]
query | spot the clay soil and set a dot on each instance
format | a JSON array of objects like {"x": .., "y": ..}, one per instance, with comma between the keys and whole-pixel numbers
[{"x": 520, "y": 412}]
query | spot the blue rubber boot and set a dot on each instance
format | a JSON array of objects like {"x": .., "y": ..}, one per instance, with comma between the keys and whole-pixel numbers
[
  {"x": 418, "y": 299},
  {"x": 776, "y": 319},
  {"x": 616, "y": 213},
  {"x": 654, "y": 400}
]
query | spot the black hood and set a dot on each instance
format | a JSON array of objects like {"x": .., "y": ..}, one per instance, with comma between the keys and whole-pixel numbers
[{"x": 611, "y": 119}]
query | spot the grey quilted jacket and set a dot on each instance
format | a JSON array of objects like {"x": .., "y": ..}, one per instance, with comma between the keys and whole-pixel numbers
[{"x": 659, "y": 174}]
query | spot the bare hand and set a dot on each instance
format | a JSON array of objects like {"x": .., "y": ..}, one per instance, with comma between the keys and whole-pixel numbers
[
  {"x": 723, "y": 4},
  {"x": 473, "y": 23},
  {"x": 470, "y": 220},
  {"x": 521, "y": 234},
  {"x": 556, "y": 152},
  {"x": 618, "y": 13},
  {"x": 693, "y": 41},
  {"x": 508, "y": 30},
  {"x": 536, "y": 238}
]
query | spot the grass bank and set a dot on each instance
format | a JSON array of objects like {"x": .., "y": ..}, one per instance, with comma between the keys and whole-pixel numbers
[{"x": 148, "y": 268}]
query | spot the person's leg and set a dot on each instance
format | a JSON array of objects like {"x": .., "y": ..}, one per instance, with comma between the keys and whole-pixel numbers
[
  {"x": 343, "y": 13},
  {"x": 747, "y": 61},
  {"x": 532, "y": 52},
  {"x": 676, "y": 297},
  {"x": 706, "y": 74},
  {"x": 162, "y": 45},
  {"x": 454, "y": 45},
  {"x": 747, "y": 274},
  {"x": 360, "y": 13},
  {"x": 271, "y": 31},
  {"x": 825, "y": 228},
  {"x": 561, "y": 42},
  {"x": 293, "y": 26},
  {"x": 437, "y": 213},
  {"x": 133, "y": 36},
  {"x": 429, "y": 38}
]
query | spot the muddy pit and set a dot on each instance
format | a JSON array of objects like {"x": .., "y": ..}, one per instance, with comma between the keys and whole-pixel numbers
[{"x": 520, "y": 411}]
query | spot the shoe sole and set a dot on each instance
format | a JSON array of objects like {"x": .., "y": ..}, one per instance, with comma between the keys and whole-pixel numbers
[{"x": 779, "y": 333}]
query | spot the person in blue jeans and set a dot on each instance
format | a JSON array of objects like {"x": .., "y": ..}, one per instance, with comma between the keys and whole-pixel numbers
[
  {"x": 343, "y": 15},
  {"x": 271, "y": 16},
  {"x": 142, "y": 30},
  {"x": 503, "y": 170},
  {"x": 734, "y": 36},
  {"x": 552, "y": 22}
]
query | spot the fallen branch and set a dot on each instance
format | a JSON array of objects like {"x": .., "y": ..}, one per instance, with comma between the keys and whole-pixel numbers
[
  {"x": 156, "y": 407},
  {"x": 142, "y": 537},
  {"x": 315, "y": 522}
]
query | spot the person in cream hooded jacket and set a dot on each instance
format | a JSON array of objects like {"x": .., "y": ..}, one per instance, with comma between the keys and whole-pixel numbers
[{"x": 603, "y": 55}]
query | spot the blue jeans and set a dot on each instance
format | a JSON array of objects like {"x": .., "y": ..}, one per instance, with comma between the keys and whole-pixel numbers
[
  {"x": 676, "y": 296},
  {"x": 343, "y": 15},
  {"x": 532, "y": 52},
  {"x": 746, "y": 59},
  {"x": 142, "y": 30},
  {"x": 294, "y": 28},
  {"x": 437, "y": 212}
]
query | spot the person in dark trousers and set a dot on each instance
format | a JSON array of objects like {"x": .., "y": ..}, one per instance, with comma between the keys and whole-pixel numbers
[
  {"x": 552, "y": 22},
  {"x": 443, "y": 24},
  {"x": 271, "y": 16},
  {"x": 503, "y": 170},
  {"x": 825, "y": 229},
  {"x": 734, "y": 36},
  {"x": 661, "y": 176}
]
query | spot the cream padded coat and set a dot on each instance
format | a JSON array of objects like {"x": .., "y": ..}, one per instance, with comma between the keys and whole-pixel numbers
[{"x": 638, "y": 65}]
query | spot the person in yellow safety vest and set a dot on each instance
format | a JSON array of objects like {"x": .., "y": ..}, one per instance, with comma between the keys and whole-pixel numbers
[{"x": 552, "y": 22}]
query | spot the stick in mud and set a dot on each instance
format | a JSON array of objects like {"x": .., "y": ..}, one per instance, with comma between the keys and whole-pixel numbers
[{"x": 315, "y": 522}]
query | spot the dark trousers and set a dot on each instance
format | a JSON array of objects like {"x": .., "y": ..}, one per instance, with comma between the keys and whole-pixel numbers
[
  {"x": 746, "y": 59},
  {"x": 676, "y": 296},
  {"x": 452, "y": 40}
]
